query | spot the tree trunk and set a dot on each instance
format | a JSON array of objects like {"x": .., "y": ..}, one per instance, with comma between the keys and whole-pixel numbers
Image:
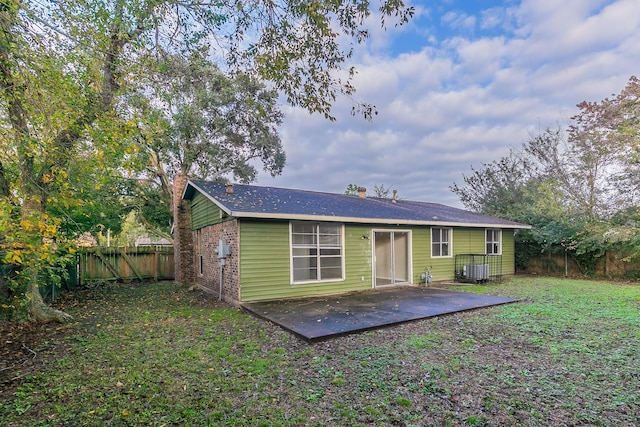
[
  {"x": 4, "y": 183},
  {"x": 32, "y": 188},
  {"x": 166, "y": 187},
  {"x": 39, "y": 311},
  {"x": 30, "y": 193},
  {"x": 155, "y": 230}
]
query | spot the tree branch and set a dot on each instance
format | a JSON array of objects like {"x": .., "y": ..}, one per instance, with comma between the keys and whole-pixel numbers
[
  {"x": 29, "y": 350},
  {"x": 4, "y": 183}
]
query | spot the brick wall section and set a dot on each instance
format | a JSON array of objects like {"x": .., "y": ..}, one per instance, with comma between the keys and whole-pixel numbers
[
  {"x": 210, "y": 276},
  {"x": 183, "y": 251}
]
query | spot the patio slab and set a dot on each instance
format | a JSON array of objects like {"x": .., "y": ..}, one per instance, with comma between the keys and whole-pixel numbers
[{"x": 320, "y": 318}]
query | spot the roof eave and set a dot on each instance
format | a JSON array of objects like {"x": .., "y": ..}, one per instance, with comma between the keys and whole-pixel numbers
[
  {"x": 328, "y": 218},
  {"x": 207, "y": 195}
]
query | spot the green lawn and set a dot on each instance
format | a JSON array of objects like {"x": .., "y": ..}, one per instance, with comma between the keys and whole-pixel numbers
[{"x": 568, "y": 354}]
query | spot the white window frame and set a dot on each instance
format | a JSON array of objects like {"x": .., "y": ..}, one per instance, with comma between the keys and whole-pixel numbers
[
  {"x": 317, "y": 245},
  {"x": 449, "y": 242},
  {"x": 487, "y": 242},
  {"x": 409, "y": 253}
]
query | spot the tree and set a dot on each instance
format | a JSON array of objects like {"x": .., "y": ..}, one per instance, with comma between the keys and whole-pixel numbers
[
  {"x": 298, "y": 45},
  {"x": 352, "y": 190},
  {"x": 497, "y": 186},
  {"x": 201, "y": 123},
  {"x": 623, "y": 120},
  {"x": 379, "y": 191},
  {"x": 582, "y": 165},
  {"x": 571, "y": 185},
  {"x": 28, "y": 234},
  {"x": 66, "y": 69}
]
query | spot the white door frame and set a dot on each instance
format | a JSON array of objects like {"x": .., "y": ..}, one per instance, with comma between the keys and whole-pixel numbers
[{"x": 409, "y": 266}]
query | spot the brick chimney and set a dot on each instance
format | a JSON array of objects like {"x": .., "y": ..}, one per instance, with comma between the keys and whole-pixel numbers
[
  {"x": 183, "y": 251},
  {"x": 229, "y": 188},
  {"x": 362, "y": 192}
]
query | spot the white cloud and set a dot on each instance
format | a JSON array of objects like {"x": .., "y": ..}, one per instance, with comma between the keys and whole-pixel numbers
[
  {"x": 496, "y": 18},
  {"x": 465, "y": 100},
  {"x": 459, "y": 21}
]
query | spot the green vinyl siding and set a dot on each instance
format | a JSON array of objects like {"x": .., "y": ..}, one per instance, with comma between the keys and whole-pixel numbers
[
  {"x": 469, "y": 241},
  {"x": 265, "y": 259},
  {"x": 508, "y": 252},
  {"x": 265, "y": 262},
  {"x": 358, "y": 257},
  {"x": 204, "y": 212},
  {"x": 421, "y": 255},
  {"x": 463, "y": 241},
  {"x": 473, "y": 241}
]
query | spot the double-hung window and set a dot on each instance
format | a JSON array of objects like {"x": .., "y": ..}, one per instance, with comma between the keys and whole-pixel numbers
[
  {"x": 494, "y": 242},
  {"x": 316, "y": 252},
  {"x": 440, "y": 242}
]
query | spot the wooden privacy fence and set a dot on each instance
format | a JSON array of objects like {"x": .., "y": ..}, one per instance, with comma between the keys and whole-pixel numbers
[
  {"x": 125, "y": 264},
  {"x": 611, "y": 264}
]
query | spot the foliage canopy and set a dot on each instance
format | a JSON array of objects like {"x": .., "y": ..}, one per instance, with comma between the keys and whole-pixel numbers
[
  {"x": 578, "y": 187},
  {"x": 80, "y": 83}
]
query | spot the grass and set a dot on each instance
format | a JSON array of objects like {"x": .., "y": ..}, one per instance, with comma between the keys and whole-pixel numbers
[{"x": 159, "y": 355}]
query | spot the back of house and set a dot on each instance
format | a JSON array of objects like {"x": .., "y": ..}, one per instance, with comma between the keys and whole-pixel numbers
[{"x": 266, "y": 243}]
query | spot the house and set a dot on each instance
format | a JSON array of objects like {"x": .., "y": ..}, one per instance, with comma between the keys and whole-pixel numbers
[
  {"x": 265, "y": 243},
  {"x": 151, "y": 241}
]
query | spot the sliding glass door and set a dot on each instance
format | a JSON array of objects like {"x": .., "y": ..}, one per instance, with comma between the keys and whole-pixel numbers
[{"x": 392, "y": 257}]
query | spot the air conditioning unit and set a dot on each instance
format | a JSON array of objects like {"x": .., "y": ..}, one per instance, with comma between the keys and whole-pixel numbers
[{"x": 475, "y": 272}]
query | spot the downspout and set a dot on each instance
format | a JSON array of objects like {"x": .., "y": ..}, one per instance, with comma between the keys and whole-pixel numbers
[
  {"x": 223, "y": 253},
  {"x": 221, "y": 278}
]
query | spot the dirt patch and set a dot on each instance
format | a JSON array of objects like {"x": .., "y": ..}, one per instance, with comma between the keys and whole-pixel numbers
[{"x": 24, "y": 350}]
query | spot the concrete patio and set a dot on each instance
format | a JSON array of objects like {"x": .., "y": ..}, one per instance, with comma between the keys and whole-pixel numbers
[{"x": 321, "y": 318}]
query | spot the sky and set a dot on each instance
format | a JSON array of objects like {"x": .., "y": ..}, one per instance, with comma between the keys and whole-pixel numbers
[{"x": 459, "y": 86}]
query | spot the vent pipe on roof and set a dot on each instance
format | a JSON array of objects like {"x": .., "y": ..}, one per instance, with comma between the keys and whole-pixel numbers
[
  {"x": 229, "y": 188},
  {"x": 395, "y": 196},
  {"x": 362, "y": 192}
]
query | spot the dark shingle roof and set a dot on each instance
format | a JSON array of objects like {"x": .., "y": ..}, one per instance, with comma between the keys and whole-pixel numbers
[{"x": 251, "y": 201}]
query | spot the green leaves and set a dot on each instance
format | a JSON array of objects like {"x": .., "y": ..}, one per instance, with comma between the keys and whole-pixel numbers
[
  {"x": 216, "y": 124},
  {"x": 97, "y": 94},
  {"x": 32, "y": 243},
  {"x": 297, "y": 45},
  {"x": 577, "y": 187},
  {"x": 193, "y": 119}
]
